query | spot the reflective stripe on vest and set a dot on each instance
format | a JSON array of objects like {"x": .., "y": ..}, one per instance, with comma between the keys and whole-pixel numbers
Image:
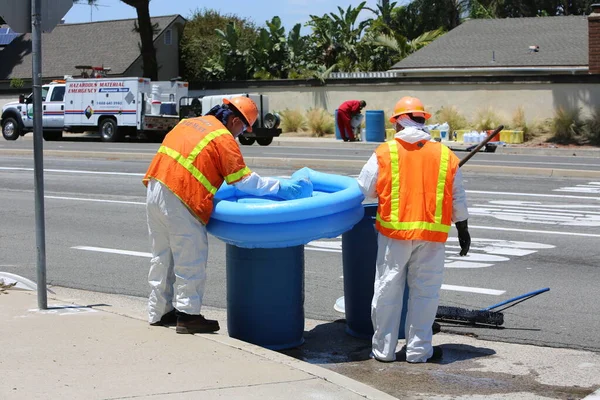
[
  {"x": 188, "y": 163},
  {"x": 394, "y": 223}
]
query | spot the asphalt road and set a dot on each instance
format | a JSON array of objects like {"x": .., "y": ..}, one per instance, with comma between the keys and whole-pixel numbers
[
  {"x": 528, "y": 233},
  {"x": 346, "y": 153}
]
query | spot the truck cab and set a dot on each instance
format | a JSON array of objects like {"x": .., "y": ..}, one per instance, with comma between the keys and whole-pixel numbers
[{"x": 17, "y": 117}]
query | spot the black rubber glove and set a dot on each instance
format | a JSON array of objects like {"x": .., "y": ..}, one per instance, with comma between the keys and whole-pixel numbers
[{"x": 464, "y": 239}]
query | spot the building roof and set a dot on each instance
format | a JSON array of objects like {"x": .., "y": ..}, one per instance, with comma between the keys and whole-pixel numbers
[
  {"x": 112, "y": 44},
  {"x": 505, "y": 44}
]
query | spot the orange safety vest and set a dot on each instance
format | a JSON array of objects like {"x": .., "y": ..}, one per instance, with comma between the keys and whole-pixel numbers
[
  {"x": 414, "y": 186},
  {"x": 194, "y": 160}
]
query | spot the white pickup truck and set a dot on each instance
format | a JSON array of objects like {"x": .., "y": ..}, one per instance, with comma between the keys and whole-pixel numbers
[
  {"x": 264, "y": 129},
  {"x": 114, "y": 107}
]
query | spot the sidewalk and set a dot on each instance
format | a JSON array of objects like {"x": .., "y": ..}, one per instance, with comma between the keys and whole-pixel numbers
[
  {"x": 103, "y": 352},
  {"x": 99, "y": 346}
]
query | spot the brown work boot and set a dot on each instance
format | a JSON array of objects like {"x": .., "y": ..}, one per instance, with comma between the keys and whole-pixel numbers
[
  {"x": 169, "y": 319},
  {"x": 187, "y": 323}
]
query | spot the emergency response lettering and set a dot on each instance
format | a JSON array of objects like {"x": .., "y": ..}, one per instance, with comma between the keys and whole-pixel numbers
[
  {"x": 82, "y": 87},
  {"x": 112, "y": 84},
  {"x": 92, "y": 87}
]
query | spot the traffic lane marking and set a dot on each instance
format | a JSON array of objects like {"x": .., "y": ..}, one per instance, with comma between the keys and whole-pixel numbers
[{"x": 493, "y": 292}]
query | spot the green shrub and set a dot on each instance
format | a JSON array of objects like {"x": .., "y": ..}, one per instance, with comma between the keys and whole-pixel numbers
[
  {"x": 292, "y": 121},
  {"x": 486, "y": 119},
  {"x": 17, "y": 83},
  {"x": 592, "y": 128},
  {"x": 519, "y": 122},
  {"x": 320, "y": 122},
  {"x": 537, "y": 128},
  {"x": 567, "y": 126},
  {"x": 450, "y": 114}
]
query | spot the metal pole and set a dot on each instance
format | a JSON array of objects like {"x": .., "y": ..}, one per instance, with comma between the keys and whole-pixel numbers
[{"x": 38, "y": 154}]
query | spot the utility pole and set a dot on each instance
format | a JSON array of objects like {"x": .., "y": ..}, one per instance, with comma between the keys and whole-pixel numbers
[{"x": 38, "y": 152}]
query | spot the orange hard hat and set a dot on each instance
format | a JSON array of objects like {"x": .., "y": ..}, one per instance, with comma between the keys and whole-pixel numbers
[
  {"x": 246, "y": 107},
  {"x": 409, "y": 105}
]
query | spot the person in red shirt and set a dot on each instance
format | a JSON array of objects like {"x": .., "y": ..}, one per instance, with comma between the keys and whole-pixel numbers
[{"x": 345, "y": 112}]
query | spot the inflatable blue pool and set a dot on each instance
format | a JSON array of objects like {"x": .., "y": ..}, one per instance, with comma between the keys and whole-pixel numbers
[{"x": 269, "y": 222}]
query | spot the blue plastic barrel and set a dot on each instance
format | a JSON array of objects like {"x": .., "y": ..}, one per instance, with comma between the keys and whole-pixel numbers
[
  {"x": 375, "y": 126},
  {"x": 359, "y": 255},
  {"x": 265, "y": 296},
  {"x": 338, "y": 135}
]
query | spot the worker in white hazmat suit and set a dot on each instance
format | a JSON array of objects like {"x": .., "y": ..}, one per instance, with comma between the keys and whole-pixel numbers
[
  {"x": 420, "y": 193},
  {"x": 194, "y": 159}
]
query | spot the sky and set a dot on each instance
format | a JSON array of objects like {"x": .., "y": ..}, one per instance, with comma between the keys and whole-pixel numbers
[{"x": 259, "y": 11}]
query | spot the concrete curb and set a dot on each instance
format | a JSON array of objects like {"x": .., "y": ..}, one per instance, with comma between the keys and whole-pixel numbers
[
  {"x": 593, "y": 396},
  {"x": 562, "y": 152},
  {"x": 359, "y": 388}
]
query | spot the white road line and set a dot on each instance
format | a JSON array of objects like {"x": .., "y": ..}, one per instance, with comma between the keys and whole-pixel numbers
[
  {"x": 492, "y": 292},
  {"x": 70, "y": 171},
  {"x": 482, "y": 161},
  {"x": 137, "y": 203},
  {"x": 554, "y": 196},
  {"x": 322, "y": 249},
  {"x": 301, "y": 155},
  {"x": 114, "y": 251},
  {"x": 533, "y": 231}
]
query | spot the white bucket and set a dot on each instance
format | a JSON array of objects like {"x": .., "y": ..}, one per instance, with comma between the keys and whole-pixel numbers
[{"x": 155, "y": 100}]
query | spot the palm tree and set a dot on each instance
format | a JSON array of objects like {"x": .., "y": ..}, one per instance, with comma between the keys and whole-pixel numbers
[{"x": 404, "y": 47}]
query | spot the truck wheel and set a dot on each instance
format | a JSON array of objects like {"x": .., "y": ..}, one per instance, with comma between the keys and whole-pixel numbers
[
  {"x": 264, "y": 141},
  {"x": 51, "y": 135},
  {"x": 10, "y": 128},
  {"x": 246, "y": 140},
  {"x": 109, "y": 130}
]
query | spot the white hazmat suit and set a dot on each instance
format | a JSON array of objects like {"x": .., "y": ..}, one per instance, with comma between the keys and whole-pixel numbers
[
  {"x": 418, "y": 263},
  {"x": 179, "y": 243}
]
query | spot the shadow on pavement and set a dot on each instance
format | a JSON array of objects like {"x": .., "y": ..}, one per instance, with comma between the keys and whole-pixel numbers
[{"x": 328, "y": 343}]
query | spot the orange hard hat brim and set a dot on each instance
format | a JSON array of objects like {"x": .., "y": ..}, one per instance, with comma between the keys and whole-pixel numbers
[
  {"x": 416, "y": 113},
  {"x": 249, "y": 127}
]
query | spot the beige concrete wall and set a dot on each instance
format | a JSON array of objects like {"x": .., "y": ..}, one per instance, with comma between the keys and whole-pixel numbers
[
  {"x": 539, "y": 100},
  {"x": 7, "y": 98}
]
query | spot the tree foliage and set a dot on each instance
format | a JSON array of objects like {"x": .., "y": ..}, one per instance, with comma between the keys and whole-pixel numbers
[
  {"x": 535, "y": 8},
  {"x": 360, "y": 38},
  {"x": 201, "y": 45}
]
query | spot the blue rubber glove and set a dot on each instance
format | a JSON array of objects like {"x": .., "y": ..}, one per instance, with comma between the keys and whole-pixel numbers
[{"x": 290, "y": 189}]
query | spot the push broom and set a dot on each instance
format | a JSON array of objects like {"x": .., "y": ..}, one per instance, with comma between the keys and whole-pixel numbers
[{"x": 485, "y": 315}]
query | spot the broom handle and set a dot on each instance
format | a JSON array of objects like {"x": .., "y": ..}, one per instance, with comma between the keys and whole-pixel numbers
[
  {"x": 530, "y": 294},
  {"x": 480, "y": 145}
]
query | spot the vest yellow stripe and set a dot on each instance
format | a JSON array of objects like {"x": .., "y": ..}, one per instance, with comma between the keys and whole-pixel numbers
[
  {"x": 441, "y": 184},
  {"x": 395, "y": 166},
  {"x": 409, "y": 226},
  {"x": 394, "y": 222},
  {"x": 204, "y": 142},
  {"x": 237, "y": 175},
  {"x": 188, "y": 164}
]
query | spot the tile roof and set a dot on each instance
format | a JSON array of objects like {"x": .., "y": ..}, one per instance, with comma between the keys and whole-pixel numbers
[
  {"x": 113, "y": 44},
  {"x": 562, "y": 41}
]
